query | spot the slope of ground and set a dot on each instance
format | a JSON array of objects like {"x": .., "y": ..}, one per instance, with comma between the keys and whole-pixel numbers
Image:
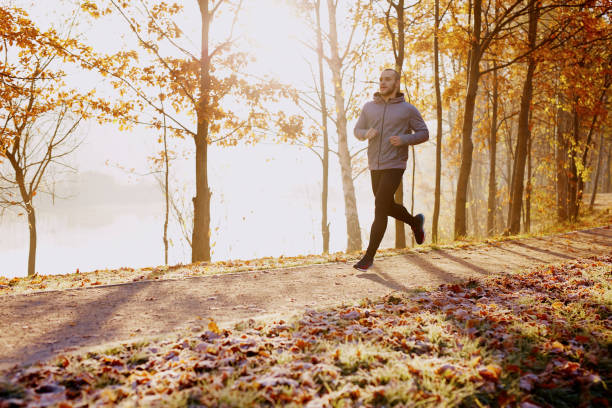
[
  {"x": 40, "y": 325},
  {"x": 537, "y": 338}
]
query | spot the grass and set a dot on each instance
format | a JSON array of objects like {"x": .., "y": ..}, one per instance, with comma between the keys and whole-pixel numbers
[
  {"x": 106, "y": 380},
  {"x": 138, "y": 358},
  {"x": 113, "y": 351}
]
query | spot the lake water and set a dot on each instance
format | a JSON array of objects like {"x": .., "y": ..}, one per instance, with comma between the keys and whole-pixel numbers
[{"x": 266, "y": 202}]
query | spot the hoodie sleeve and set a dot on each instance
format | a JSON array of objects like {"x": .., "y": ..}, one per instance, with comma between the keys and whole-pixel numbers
[
  {"x": 361, "y": 128},
  {"x": 419, "y": 128}
]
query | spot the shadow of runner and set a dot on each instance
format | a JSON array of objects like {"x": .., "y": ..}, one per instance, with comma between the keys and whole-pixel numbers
[
  {"x": 388, "y": 282},
  {"x": 424, "y": 264},
  {"x": 440, "y": 275},
  {"x": 79, "y": 332}
]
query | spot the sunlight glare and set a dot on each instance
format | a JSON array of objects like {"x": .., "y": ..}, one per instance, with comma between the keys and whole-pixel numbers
[{"x": 273, "y": 29}]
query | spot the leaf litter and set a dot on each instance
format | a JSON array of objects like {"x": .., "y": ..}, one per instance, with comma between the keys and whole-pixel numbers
[{"x": 538, "y": 338}]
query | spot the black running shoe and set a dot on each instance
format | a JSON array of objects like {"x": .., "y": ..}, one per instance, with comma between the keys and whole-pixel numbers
[
  {"x": 419, "y": 230},
  {"x": 363, "y": 265}
]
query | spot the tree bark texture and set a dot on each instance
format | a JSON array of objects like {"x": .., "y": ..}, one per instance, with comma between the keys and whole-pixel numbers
[
  {"x": 467, "y": 145},
  {"x": 325, "y": 183},
  {"x": 350, "y": 204},
  {"x": 520, "y": 156},
  {"x": 436, "y": 212},
  {"x": 200, "y": 249}
]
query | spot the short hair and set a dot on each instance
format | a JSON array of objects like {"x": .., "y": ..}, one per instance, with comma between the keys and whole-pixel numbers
[{"x": 397, "y": 74}]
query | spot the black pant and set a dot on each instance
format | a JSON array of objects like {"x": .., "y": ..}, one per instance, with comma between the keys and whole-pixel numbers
[{"x": 384, "y": 184}]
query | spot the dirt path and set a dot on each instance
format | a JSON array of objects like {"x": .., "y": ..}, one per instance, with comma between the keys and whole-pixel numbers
[{"x": 39, "y": 325}]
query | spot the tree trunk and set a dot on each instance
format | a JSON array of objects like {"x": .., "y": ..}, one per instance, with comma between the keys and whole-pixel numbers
[
  {"x": 518, "y": 171},
  {"x": 324, "y": 192},
  {"x": 201, "y": 202},
  {"x": 468, "y": 121},
  {"x": 475, "y": 186},
  {"x": 527, "y": 221},
  {"x": 509, "y": 161},
  {"x": 32, "y": 250},
  {"x": 572, "y": 191},
  {"x": 166, "y": 191},
  {"x": 587, "y": 145},
  {"x": 350, "y": 205},
  {"x": 491, "y": 201},
  {"x": 561, "y": 157},
  {"x": 472, "y": 200},
  {"x": 607, "y": 184},
  {"x": 436, "y": 212},
  {"x": 597, "y": 172},
  {"x": 400, "y": 229},
  {"x": 26, "y": 198}
]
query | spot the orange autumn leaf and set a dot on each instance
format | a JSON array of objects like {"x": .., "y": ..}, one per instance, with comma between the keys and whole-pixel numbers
[
  {"x": 212, "y": 326},
  {"x": 490, "y": 372}
]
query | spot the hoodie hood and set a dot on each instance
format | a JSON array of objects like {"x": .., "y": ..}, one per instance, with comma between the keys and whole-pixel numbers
[{"x": 396, "y": 99}]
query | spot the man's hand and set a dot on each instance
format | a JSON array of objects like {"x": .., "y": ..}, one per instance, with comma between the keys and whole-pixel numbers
[
  {"x": 371, "y": 133},
  {"x": 395, "y": 140}
]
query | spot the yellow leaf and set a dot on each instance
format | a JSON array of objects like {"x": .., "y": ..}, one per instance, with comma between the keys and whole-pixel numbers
[
  {"x": 212, "y": 326},
  {"x": 557, "y": 346},
  {"x": 491, "y": 372}
]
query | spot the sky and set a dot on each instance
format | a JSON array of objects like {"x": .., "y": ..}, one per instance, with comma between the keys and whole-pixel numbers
[{"x": 266, "y": 198}]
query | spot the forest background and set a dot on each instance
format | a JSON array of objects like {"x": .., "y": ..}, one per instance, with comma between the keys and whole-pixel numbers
[{"x": 105, "y": 103}]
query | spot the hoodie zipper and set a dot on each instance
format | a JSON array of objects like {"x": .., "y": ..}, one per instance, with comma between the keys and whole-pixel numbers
[{"x": 382, "y": 126}]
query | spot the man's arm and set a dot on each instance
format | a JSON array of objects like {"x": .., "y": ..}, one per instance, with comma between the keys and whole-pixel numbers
[
  {"x": 361, "y": 129},
  {"x": 421, "y": 133}
]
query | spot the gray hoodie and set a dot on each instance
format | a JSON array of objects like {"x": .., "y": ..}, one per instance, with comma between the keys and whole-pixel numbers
[{"x": 395, "y": 117}]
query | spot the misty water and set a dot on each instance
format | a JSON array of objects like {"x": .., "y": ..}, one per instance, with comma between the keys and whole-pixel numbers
[{"x": 266, "y": 202}]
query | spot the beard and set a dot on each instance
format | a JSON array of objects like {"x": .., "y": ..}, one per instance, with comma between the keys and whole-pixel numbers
[{"x": 389, "y": 91}]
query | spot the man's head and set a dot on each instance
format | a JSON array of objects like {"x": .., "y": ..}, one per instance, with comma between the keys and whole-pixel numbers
[{"x": 389, "y": 83}]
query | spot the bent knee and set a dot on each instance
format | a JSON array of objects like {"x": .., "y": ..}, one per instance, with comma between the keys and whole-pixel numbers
[{"x": 382, "y": 210}]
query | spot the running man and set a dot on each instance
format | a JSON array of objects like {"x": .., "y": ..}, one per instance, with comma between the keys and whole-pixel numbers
[{"x": 390, "y": 125}]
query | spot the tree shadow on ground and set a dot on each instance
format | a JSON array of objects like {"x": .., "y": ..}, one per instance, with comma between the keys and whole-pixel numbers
[
  {"x": 92, "y": 324},
  {"x": 478, "y": 269},
  {"x": 523, "y": 255},
  {"x": 422, "y": 263},
  {"x": 539, "y": 350},
  {"x": 543, "y": 250},
  {"x": 541, "y": 332},
  {"x": 83, "y": 330},
  {"x": 523, "y": 326},
  {"x": 599, "y": 234}
]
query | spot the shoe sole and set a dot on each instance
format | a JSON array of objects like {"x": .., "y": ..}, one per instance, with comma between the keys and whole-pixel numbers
[{"x": 362, "y": 269}]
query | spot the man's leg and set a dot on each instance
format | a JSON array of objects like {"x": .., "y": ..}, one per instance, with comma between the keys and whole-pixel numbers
[
  {"x": 375, "y": 176},
  {"x": 400, "y": 212},
  {"x": 416, "y": 222},
  {"x": 385, "y": 184},
  {"x": 396, "y": 210}
]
